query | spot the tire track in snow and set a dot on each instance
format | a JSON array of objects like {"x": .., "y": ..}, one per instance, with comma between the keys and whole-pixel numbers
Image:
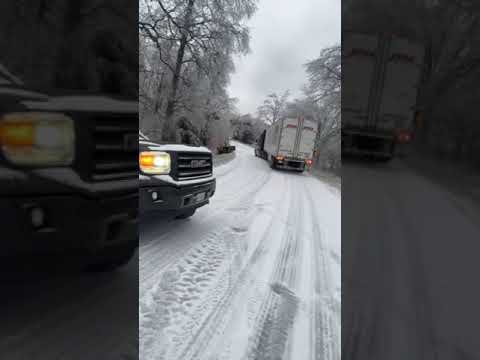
[
  {"x": 161, "y": 260},
  {"x": 220, "y": 295},
  {"x": 220, "y": 305},
  {"x": 325, "y": 332},
  {"x": 279, "y": 308},
  {"x": 174, "y": 296},
  {"x": 206, "y": 332},
  {"x": 154, "y": 258}
]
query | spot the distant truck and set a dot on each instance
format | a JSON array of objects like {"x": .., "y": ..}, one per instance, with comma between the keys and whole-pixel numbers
[
  {"x": 226, "y": 148},
  {"x": 288, "y": 144},
  {"x": 379, "y": 94},
  {"x": 175, "y": 179}
]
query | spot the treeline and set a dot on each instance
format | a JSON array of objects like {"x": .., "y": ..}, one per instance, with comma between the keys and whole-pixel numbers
[
  {"x": 186, "y": 49},
  {"x": 449, "y": 96},
  {"x": 82, "y": 45},
  {"x": 247, "y": 128}
]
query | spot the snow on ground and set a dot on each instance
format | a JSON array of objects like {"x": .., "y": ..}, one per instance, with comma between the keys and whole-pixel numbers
[
  {"x": 410, "y": 265},
  {"x": 253, "y": 275},
  {"x": 70, "y": 315},
  {"x": 222, "y": 159}
]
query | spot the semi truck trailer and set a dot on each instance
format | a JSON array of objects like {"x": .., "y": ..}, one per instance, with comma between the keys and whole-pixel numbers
[
  {"x": 288, "y": 144},
  {"x": 381, "y": 75}
]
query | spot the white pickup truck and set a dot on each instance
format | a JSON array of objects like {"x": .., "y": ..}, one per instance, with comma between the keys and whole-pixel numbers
[
  {"x": 174, "y": 179},
  {"x": 288, "y": 144}
]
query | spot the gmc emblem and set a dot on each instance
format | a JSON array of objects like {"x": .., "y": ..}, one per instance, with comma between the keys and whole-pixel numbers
[{"x": 198, "y": 163}]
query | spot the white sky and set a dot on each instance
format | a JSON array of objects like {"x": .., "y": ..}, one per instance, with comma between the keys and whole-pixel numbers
[{"x": 285, "y": 34}]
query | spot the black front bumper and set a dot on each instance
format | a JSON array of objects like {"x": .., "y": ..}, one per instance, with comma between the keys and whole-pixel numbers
[
  {"x": 74, "y": 224},
  {"x": 368, "y": 143},
  {"x": 173, "y": 198},
  {"x": 290, "y": 164}
]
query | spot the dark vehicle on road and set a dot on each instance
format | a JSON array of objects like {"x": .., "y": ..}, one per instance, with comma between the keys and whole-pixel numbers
[
  {"x": 226, "y": 148},
  {"x": 175, "y": 179},
  {"x": 68, "y": 176}
]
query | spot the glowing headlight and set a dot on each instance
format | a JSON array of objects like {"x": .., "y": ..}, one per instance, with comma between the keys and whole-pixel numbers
[
  {"x": 154, "y": 162},
  {"x": 37, "y": 139}
]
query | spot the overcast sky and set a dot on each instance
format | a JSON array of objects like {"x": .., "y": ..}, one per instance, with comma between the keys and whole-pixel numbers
[{"x": 284, "y": 35}]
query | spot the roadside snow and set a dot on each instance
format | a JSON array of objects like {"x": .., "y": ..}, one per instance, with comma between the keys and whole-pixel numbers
[{"x": 222, "y": 159}]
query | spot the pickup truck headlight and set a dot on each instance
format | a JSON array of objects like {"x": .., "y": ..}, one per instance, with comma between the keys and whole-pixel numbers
[
  {"x": 37, "y": 139},
  {"x": 154, "y": 162}
]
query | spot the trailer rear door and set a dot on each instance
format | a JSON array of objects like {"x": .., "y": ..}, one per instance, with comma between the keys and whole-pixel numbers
[
  {"x": 359, "y": 61},
  {"x": 289, "y": 137},
  {"x": 399, "y": 96},
  {"x": 307, "y": 140}
]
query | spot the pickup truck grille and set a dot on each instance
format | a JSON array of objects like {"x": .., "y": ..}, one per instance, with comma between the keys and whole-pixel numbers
[
  {"x": 192, "y": 165},
  {"x": 115, "y": 148}
]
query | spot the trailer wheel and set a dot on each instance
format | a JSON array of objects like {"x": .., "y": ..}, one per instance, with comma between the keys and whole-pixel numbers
[
  {"x": 272, "y": 163},
  {"x": 385, "y": 158}
]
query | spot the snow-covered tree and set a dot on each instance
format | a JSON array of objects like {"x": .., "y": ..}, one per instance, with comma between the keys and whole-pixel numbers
[
  {"x": 449, "y": 31},
  {"x": 82, "y": 45},
  {"x": 247, "y": 128},
  {"x": 191, "y": 43},
  {"x": 273, "y": 107},
  {"x": 323, "y": 103}
]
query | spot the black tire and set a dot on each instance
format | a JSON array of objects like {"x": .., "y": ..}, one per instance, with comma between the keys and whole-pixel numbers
[
  {"x": 386, "y": 159},
  {"x": 185, "y": 214},
  {"x": 272, "y": 163},
  {"x": 112, "y": 259}
]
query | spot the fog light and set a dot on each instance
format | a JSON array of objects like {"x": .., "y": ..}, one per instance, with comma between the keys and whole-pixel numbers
[
  {"x": 37, "y": 216},
  {"x": 154, "y": 196}
]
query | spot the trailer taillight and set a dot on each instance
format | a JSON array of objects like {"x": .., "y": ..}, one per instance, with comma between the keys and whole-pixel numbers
[{"x": 404, "y": 136}]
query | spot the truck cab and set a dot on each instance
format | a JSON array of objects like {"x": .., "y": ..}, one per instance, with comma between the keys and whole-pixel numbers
[
  {"x": 68, "y": 177},
  {"x": 175, "y": 179}
]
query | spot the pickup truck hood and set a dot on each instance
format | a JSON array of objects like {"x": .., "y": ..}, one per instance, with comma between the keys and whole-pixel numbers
[
  {"x": 84, "y": 103},
  {"x": 19, "y": 93},
  {"x": 151, "y": 146}
]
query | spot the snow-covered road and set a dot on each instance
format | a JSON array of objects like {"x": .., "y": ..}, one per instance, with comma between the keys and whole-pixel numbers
[
  {"x": 70, "y": 315},
  {"x": 410, "y": 266},
  {"x": 254, "y": 275}
]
